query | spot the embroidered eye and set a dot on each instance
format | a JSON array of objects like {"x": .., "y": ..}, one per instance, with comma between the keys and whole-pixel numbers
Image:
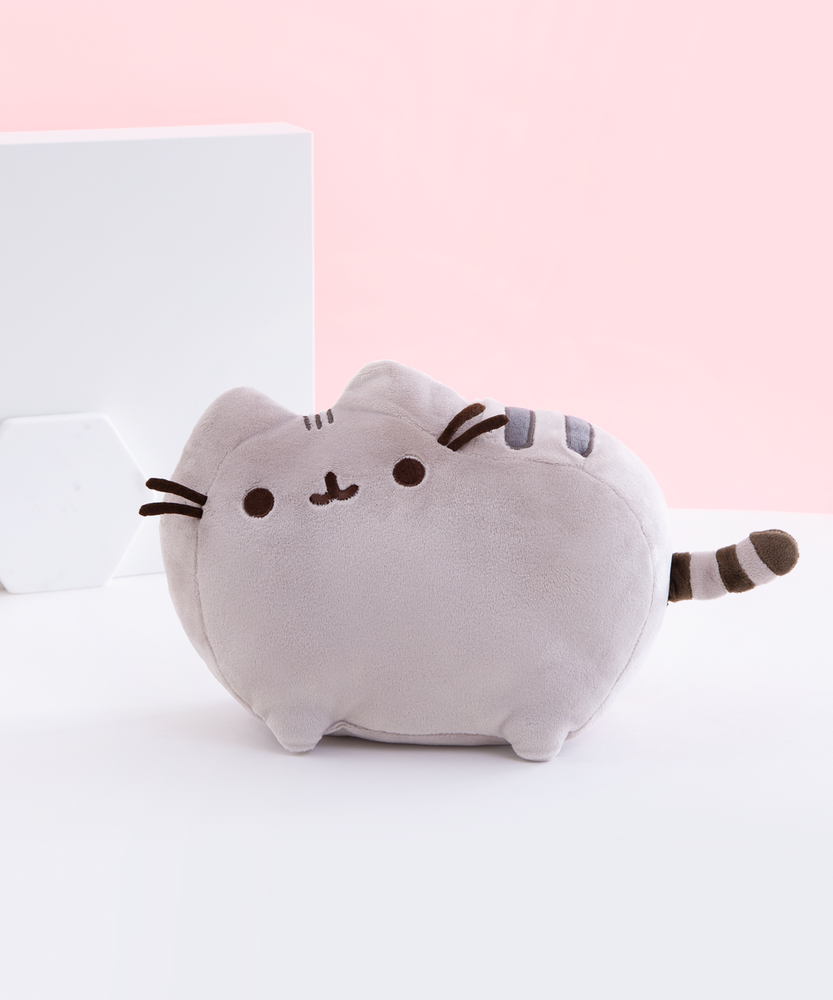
[
  {"x": 409, "y": 472},
  {"x": 258, "y": 503}
]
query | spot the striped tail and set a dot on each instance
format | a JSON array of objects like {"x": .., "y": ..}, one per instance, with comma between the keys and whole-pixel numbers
[{"x": 758, "y": 559}]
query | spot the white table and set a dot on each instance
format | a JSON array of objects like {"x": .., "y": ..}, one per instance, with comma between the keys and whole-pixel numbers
[{"x": 158, "y": 843}]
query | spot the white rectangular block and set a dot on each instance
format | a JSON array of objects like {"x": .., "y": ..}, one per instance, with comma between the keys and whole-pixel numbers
[{"x": 145, "y": 271}]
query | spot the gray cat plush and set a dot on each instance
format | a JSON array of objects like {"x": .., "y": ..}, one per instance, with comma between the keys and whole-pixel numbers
[{"x": 412, "y": 568}]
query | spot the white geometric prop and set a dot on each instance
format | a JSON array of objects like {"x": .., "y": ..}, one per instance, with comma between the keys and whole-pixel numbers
[
  {"x": 69, "y": 493},
  {"x": 144, "y": 271}
]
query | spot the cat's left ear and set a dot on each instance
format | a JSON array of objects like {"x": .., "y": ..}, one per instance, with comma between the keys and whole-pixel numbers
[
  {"x": 400, "y": 391},
  {"x": 231, "y": 419}
]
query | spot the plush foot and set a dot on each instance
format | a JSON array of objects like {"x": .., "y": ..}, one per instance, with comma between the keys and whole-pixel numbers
[
  {"x": 533, "y": 741},
  {"x": 298, "y": 731}
]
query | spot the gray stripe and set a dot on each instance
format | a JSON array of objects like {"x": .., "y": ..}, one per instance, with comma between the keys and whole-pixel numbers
[
  {"x": 307, "y": 424},
  {"x": 579, "y": 435},
  {"x": 520, "y": 430}
]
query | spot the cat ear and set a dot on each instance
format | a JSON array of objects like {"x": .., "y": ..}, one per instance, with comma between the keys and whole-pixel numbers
[
  {"x": 400, "y": 391},
  {"x": 231, "y": 419}
]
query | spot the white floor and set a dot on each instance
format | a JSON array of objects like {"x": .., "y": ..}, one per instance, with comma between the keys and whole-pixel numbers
[{"x": 158, "y": 843}]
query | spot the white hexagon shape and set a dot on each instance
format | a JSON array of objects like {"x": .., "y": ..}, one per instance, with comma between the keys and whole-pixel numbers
[{"x": 69, "y": 495}]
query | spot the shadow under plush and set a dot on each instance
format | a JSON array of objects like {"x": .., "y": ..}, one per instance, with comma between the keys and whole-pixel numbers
[{"x": 412, "y": 568}]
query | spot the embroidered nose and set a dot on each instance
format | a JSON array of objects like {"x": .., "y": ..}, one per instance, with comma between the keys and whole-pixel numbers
[{"x": 333, "y": 492}]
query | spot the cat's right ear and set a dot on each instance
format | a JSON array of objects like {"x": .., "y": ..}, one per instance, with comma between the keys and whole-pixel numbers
[{"x": 231, "y": 419}]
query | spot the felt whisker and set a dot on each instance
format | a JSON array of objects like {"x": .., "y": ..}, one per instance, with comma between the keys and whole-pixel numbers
[
  {"x": 166, "y": 486},
  {"x": 151, "y": 509},
  {"x": 489, "y": 424},
  {"x": 456, "y": 422}
]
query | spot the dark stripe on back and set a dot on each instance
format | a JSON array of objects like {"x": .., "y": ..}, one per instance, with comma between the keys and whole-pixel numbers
[
  {"x": 520, "y": 430},
  {"x": 679, "y": 588},
  {"x": 579, "y": 435},
  {"x": 732, "y": 573},
  {"x": 776, "y": 549}
]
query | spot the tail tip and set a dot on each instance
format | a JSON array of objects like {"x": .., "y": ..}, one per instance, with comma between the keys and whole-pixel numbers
[{"x": 776, "y": 549}]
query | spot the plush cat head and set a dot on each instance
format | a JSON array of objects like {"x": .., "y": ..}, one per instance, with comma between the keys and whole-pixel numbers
[{"x": 410, "y": 567}]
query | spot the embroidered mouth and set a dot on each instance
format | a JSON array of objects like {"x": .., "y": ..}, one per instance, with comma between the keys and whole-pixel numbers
[{"x": 333, "y": 491}]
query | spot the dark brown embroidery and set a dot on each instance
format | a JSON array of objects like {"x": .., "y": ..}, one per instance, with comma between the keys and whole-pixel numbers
[
  {"x": 409, "y": 472},
  {"x": 329, "y": 416},
  {"x": 472, "y": 410},
  {"x": 489, "y": 424},
  {"x": 177, "y": 489},
  {"x": 333, "y": 491},
  {"x": 466, "y": 414},
  {"x": 152, "y": 509},
  {"x": 258, "y": 502},
  {"x": 307, "y": 424}
]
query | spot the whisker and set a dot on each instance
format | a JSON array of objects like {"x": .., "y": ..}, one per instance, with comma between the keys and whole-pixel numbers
[
  {"x": 489, "y": 424},
  {"x": 166, "y": 486},
  {"x": 151, "y": 509},
  {"x": 472, "y": 410}
]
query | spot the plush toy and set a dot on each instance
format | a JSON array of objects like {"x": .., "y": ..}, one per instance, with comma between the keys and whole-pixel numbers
[{"x": 412, "y": 568}]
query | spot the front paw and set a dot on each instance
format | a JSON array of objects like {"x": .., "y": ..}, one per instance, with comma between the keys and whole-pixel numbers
[
  {"x": 298, "y": 730},
  {"x": 532, "y": 739}
]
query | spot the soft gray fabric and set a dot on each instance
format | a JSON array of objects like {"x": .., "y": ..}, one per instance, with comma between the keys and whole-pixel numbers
[{"x": 504, "y": 598}]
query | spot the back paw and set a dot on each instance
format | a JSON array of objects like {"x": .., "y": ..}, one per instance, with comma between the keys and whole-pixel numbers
[
  {"x": 532, "y": 740},
  {"x": 298, "y": 731}
]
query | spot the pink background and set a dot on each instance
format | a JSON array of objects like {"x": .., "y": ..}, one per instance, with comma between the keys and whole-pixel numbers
[{"x": 618, "y": 209}]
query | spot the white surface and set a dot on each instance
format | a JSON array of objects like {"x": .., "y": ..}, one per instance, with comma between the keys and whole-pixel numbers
[
  {"x": 157, "y": 842},
  {"x": 145, "y": 271},
  {"x": 69, "y": 493},
  {"x": 152, "y": 132}
]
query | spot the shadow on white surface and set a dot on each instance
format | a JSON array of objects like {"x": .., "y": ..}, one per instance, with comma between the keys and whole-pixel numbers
[{"x": 157, "y": 842}]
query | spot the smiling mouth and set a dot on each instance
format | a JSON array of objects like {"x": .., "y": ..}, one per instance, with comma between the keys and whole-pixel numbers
[{"x": 333, "y": 491}]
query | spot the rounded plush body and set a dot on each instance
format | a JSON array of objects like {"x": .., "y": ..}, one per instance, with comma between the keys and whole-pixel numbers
[{"x": 350, "y": 573}]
